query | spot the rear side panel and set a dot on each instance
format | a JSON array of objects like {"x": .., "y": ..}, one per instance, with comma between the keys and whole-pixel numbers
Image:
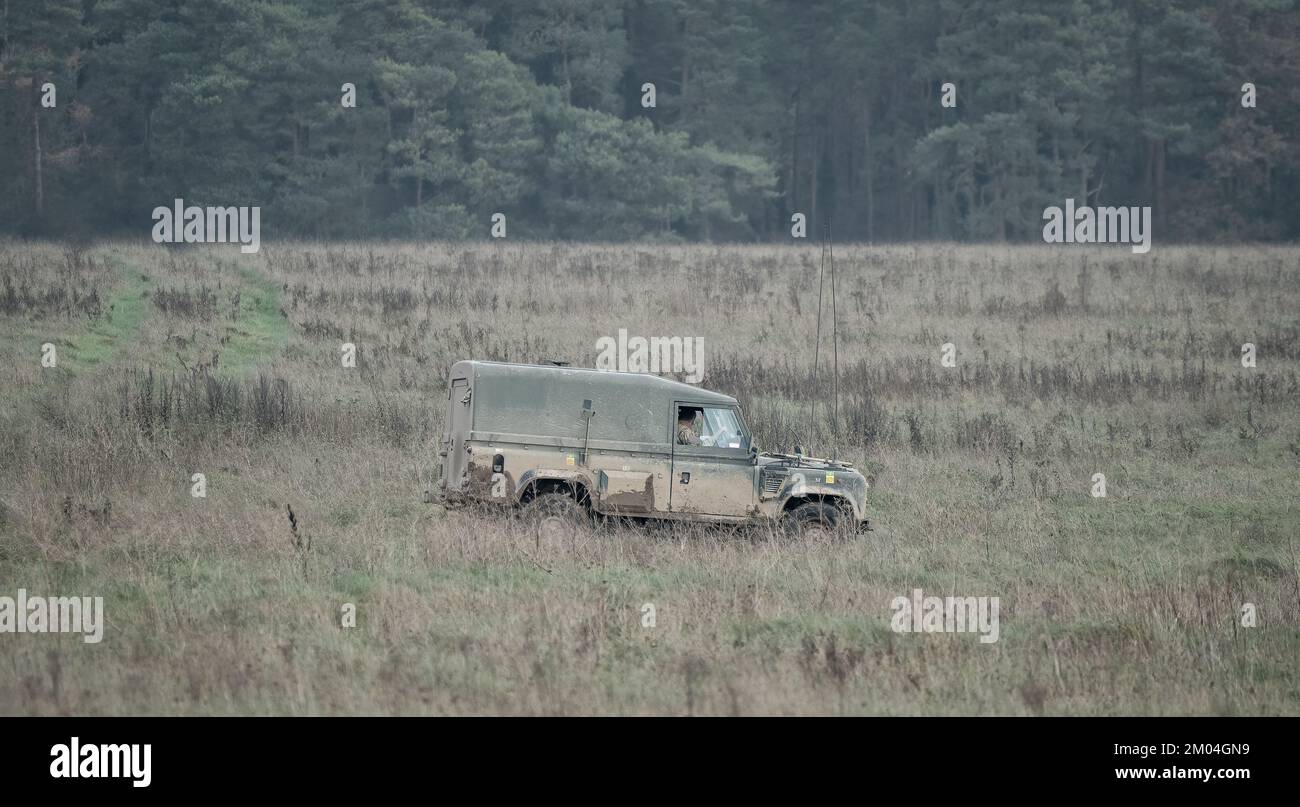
[
  {"x": 626, "y": 492},
  {"x": 460, "y": 420},
  {"x": 512, "y": 427}
]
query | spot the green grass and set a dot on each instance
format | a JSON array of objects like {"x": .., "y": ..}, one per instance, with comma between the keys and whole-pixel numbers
[
  {"x": 261, "y": 332},
  {"x": 110, "y": 336}
]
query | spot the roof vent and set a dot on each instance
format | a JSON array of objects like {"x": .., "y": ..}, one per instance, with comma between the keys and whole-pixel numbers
[{"x": 557, "y": 362}]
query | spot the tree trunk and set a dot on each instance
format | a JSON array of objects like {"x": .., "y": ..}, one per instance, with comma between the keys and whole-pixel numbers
[
  {"x": 812, "y": 182},
  {"x": 1148, "y": 170},
  {"x": 793, "y": 188},
  {"x": 568, "y": 84},
  {"x": 870, "y": 167},
  {"x": 911, "y": 214},
  {"x": 686, "y": 68},
  {"x": 36, "y": 151},
  {"x": 1160, "y": 183},
  {"x": 1002, "y": 216}
]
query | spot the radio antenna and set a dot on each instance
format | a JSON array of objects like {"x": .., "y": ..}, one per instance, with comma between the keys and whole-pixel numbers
[
  {"x": 828, "y": 251},
  {"x": 817, "y": 346},
  {"x": 835, "y": 344}
]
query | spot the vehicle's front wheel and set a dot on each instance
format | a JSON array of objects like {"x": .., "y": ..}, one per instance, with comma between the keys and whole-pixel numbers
[
  {"x": 555, "y": 520},
  {"x": 814, "y": 521}
]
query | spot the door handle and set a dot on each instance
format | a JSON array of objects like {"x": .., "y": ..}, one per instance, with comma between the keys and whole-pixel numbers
[{"x": 686, "y": 477}]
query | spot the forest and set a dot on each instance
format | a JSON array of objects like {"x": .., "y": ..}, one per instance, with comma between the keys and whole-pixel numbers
[{"x": 669, "y": 120}]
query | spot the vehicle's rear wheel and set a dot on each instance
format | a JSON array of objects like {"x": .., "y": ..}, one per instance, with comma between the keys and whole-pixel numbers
[
  {"x": 816, "y": 521},
  {"x": 555, "y": 520}
]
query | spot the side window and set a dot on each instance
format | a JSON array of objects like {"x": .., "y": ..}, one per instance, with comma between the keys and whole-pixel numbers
[{"x": 712, "y": 426}]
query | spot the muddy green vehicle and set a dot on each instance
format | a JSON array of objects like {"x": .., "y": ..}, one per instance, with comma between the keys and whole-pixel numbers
[{"x": 566, "y": 444}]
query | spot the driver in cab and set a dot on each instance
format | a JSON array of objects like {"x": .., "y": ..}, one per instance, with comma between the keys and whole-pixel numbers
[{"x": 686, "y": 435}]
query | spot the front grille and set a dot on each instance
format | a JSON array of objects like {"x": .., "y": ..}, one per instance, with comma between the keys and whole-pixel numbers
[{"x": 772, "y": 481}]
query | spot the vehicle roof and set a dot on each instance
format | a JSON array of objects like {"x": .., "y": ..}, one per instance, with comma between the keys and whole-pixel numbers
[{"x": 666, "y": 386}]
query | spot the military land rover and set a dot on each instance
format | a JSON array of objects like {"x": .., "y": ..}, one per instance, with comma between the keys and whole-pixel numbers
[{"x": 566, "y": 444}]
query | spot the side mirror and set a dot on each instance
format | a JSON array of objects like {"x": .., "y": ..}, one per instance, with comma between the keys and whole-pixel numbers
[{"x": 753, "y": 455}]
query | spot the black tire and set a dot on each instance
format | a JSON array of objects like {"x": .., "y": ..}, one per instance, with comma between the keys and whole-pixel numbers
[
  {"x": 554, "y": 520},
  {"x": 817, "y": 521}
]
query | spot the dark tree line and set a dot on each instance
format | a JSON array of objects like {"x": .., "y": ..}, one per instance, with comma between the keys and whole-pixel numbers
[{"x": 763, "y": 108}]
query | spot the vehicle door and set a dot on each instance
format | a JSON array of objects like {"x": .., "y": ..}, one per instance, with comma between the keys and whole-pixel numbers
[{"x": 713, "y": 470}]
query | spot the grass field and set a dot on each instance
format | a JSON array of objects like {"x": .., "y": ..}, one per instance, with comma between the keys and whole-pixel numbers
[{"x": 1069, "y": 362}]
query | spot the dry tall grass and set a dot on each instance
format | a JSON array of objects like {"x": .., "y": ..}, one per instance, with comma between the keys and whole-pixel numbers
[{"x": 1069, "y": 362}]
